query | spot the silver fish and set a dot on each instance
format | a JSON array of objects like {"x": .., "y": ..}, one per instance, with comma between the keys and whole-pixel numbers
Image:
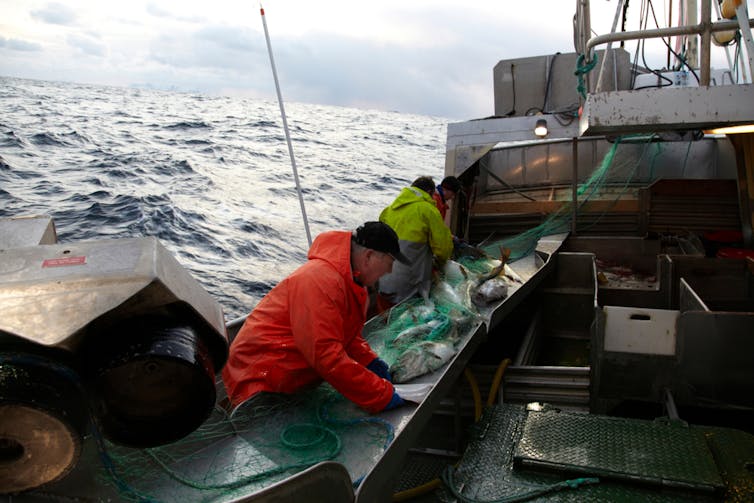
[
  {"x": 490, "y": 291},
  {"x": 413, "y": 315},
  {"x": 512, "y": 275},
  {"x": 414, "y": 333},
  {"x": 493, "y": 286},
  {"x": 422, "y": 358},
  {"x": 443, "y": 292}
]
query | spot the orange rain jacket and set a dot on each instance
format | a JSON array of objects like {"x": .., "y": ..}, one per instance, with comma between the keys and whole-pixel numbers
[
  {"x": 308, "y": 328},
  {"x": 439, "y": 198}
]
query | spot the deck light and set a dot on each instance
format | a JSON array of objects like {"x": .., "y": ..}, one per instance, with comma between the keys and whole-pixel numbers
[
  {"x": 541, "y": 128},
  {"x": 746, "y": 128}
]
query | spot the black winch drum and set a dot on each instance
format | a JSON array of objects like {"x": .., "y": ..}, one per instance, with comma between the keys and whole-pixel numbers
[
  {"x": 42, "y": 421},
  {"x": 153, "y": 380}
]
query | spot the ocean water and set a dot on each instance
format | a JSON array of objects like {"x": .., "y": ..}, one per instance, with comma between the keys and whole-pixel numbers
[{"x": 210, "y": 177}]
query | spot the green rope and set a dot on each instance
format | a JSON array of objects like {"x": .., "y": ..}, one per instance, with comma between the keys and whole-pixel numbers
[
  {"x": 523, "y": 244},
  {"x": 626, "y": 184},
  {"x": 325, "y": 415},
  {"x": 685, "y": 159},
  {"x": 581, "y": 70},
  {"x": 559, "y": 221},
  {"x": 447, "y": 480},
  {"x": 285, "y": 440}
]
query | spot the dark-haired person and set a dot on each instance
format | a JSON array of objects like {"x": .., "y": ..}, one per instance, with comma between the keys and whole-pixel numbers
[
  {"x": 445, "y": 192},
  {"x": 308, "y": 327},
  {"x": 422, "y": 234}
]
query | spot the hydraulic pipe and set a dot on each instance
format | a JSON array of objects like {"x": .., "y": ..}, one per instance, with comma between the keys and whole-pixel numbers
[
  {"x": 660, "y": 32},
  {"x": 704, "y": 48}
]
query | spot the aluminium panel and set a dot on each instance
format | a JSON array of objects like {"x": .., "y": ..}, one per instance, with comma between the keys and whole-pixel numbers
[{"x": 654, "y": 110}]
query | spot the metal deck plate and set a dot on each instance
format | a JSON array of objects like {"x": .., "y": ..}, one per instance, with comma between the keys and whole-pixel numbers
[
  {"x": 665, "y": 454},
  {"x": 487, "y": 471}
]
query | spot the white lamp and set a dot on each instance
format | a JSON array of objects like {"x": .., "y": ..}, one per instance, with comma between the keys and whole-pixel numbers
[{"x": 541, "y": 128}]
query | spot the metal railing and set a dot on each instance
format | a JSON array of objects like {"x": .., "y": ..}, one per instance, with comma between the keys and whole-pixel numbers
[{"x": 704, "y": 29}]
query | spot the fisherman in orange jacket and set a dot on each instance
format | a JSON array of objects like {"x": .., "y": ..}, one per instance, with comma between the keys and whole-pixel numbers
[{"x": 308, "y": 327}]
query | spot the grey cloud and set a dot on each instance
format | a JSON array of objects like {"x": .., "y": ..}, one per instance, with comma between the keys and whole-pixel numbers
[
  {"x": 422, "y": 81},
  {"x": 442, "y": 80},
  {"x": 451, "y": 81},
  {"x": 233, "y": 38},
  {"x": 211, "y": 47},
  {"x": 87, "y": 45},
  {"x": 55, "y": 13},
  {"x": 335, "y": 70},
  {"x": 157, "y": 11},
  {"x": 15, "y": 44}
]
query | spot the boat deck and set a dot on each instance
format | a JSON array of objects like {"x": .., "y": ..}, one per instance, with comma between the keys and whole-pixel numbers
[
  {"x": 249, "y": 455},
  {"x": 518, "y": 453}
]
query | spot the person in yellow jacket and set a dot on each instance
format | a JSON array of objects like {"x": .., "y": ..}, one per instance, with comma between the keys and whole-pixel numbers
[{"x": 422, "y": 235}]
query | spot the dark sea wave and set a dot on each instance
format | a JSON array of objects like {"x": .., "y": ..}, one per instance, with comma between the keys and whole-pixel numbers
[{"x": 210, "y": 177}]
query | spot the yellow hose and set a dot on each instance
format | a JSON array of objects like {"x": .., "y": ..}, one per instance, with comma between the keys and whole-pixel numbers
[
  {"x": 435, "y": 483},
  {"x": 474, "y": 393},
  {"x": 417, "y": 491},
  {"x": 497, "y": 380}
]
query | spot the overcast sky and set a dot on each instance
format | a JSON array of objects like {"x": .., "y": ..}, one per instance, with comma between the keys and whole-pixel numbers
[{"x": 430, "y": 57}]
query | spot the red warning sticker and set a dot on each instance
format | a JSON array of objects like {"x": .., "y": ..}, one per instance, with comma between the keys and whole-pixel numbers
[{"x": 59, "y": 262}]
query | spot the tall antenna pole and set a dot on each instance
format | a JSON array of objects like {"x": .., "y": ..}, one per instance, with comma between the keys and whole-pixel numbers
[{"x": 285, "y": 126}]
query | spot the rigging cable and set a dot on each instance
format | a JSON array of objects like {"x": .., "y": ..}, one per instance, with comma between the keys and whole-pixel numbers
[
  {"x": 623, "y": 23},
  {"x": 513, "y": 90},
  {"x": 548, "y": 83},
  {"x": 285, "y": 126},
  {"x": 681, "y": 58},
  {"x": 608, "y": 49}
]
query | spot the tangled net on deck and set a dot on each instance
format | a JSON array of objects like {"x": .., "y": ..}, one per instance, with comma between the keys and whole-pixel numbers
[{"x": 232, "y": 455}]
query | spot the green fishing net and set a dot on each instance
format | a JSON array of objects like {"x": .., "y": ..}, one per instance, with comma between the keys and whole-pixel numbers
[
  {"x": 611, "y": 178},
  {"x": 421, "y": 330},
  {"x": 235, "y": 454},
  {"x": 420, "y": 335},
  {"x": 240, "y": 452}
]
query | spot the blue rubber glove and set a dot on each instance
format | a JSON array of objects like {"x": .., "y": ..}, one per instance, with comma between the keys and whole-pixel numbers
[
  {"x": 379, "y": 367},
  {"x": 396, "y": 401}
]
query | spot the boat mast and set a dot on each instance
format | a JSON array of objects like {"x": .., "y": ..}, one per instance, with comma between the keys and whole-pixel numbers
[{"x": 285, "y": 126}]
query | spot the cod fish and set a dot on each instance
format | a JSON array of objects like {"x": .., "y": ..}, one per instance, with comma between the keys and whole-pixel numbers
[
  {"x": 491, "y": 290},
  {"x": 493, "y": 286},
  {"x": 422, "y": 358},
  {"x": 411, "y": 334}
]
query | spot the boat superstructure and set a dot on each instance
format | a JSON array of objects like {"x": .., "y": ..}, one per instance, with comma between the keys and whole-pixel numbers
[
  {"x": 647, "y": 316},
  {"x": 618, "y": 366}
]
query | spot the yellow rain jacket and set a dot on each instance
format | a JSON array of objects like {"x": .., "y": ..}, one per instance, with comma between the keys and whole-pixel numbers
[{"x": 422, "y": 233}]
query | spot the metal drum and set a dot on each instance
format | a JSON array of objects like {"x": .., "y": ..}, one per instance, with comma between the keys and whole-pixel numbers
[
  {"x": 113, "y": 329},
  {"x": 43, "y": 417},
  {"x": 153, "y": 381}
]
